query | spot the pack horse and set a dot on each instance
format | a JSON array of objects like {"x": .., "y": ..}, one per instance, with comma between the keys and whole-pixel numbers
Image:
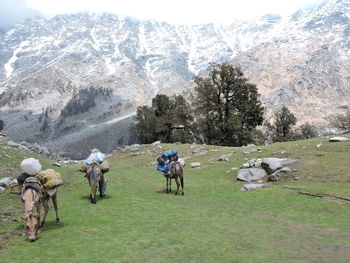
[
  {"x": 34, "y": 195},
  {"x": 96, "y": 180}
]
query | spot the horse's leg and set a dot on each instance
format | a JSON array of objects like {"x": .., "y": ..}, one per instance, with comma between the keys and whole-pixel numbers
[
  {"x": 167, "y": 183},
  {"x": 93, "y": 192},
  {"x": 46, "y": 210},
  {"x": 102, "y": 186},
  {"x": 54, "y": 201},
  {"x": 38, "y": 210},
  {"x": 170, "y": 185},
  {"x": 177, "y": 184},
  {"x": 182, "y": 182}
]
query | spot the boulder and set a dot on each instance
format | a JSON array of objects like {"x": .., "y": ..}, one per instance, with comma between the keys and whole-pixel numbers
[
  {"x": 271, "y": 165},
  {"x": 275, "y": 176},
  {"x": 195, "y": 164},
  {"x": 249, "y": 187},
  {"x": 182, "y": 162},
  {"x": 223, "y": 158},
  {"x": 251, "y": 174},
  {"x": 338, "y": 139},
  {"x": 5, "y": 182}
]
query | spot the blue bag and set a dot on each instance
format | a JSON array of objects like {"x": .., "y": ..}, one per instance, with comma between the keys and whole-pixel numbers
[{"x": 169, "y": 153}]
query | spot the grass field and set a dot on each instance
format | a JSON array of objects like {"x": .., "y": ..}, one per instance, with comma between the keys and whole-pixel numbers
[{"x": 213, "y": 222}]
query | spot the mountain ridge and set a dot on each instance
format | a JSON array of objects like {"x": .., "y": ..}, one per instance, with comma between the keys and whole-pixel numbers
[{"x": 301, "y": 61}]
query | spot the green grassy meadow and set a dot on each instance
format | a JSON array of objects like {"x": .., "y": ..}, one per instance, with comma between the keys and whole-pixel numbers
[{"x": 213, "y": 222}]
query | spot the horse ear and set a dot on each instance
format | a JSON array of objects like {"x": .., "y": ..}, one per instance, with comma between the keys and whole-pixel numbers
[
  {"x": 24, "y": 217},
  {"x": 36, "y": 215}
]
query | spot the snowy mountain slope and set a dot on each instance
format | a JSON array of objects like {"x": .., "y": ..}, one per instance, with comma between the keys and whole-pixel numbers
[{"x": 48, "y": 67}]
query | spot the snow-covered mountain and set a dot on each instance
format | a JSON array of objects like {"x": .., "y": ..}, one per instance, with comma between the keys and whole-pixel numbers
[{"x": 67, "y": 80}]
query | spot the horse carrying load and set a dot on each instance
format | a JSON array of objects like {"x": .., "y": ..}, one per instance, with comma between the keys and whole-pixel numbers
[
  {"x": 38, "y": 188},
  {"x": 94, "y": 167},
  {"x": 169, "y": 164}
]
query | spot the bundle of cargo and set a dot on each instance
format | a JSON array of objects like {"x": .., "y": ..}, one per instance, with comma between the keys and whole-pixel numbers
[
  {"x": 104, "y": 167},
  {"x": 50, "y": 178},
  {"x": 15, "y": 187},
  {"x": 31, "y": 166}
]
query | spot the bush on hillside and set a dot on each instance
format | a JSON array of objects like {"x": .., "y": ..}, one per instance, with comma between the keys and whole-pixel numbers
[{"x": 341, "y": 122}]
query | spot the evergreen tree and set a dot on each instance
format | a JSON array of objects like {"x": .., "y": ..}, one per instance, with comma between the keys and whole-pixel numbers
[
  {"x": 281, "y": 130},
  {"x": 227, "y": 106},
  {"x": 168, "y": 120},
  {"x": 307, "y": 131}
]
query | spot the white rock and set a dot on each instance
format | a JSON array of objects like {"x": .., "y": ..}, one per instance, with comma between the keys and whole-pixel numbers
[
  {"x": 338, "y": 139},
  {"x": 249, "y": 187},
  {"x": 195, "y": 164}
]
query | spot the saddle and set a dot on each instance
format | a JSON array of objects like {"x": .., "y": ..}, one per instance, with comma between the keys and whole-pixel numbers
[{"x": 35, "y": 184}]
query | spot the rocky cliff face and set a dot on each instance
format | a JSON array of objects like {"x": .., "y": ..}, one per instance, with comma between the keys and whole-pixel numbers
[{"x": 75, "y": 77}]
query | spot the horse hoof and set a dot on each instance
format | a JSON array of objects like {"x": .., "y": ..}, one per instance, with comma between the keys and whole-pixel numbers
[
  {"x": 176, "y": 193},
  {"x": 183, "y": 194},
  {"x": 57, "y": 221}
]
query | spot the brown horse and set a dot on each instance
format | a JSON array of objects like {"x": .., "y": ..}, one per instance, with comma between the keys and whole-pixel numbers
[
  {"x": 96, "y": 179},
  {"x": 176, "y": 172},
  {"x": 33, "y": 195}
]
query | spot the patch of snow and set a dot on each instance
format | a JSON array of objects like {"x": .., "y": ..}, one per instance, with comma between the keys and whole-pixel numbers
[{"x": 8, "y": 66}]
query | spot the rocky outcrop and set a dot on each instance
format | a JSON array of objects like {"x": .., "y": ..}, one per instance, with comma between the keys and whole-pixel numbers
[{"x": 251, "y": 174}]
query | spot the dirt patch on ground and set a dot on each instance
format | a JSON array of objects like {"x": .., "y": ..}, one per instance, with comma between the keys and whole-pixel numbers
[{"x": 8, "y": 235}]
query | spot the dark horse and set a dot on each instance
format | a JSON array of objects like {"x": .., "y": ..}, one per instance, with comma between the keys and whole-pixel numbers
[
  {"x": 96, "y": 179},
  {"x": 33, "y": 195},
  {"x": 176, "y": 172}
]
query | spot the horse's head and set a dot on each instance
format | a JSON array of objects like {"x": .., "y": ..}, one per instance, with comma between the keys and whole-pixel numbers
[{"x": 31, "y": 225}]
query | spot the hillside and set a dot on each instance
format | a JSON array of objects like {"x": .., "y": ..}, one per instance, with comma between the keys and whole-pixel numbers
[
  {"x": 104, "y": 67},
  {"x": 213, "y": 222}
]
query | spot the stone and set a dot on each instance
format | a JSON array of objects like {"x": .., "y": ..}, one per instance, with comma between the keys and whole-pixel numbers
[
  {"x": 249, "y": 187},
  {"x": 318, "y": 145},
  {"x": 245, "y": 166},
  {"x": 273, "y": 164},
  {"x": 275, "y": 176},
  {"x": 56, "y": 164},
  {"x": 201, "y": 153},
  {"x": 2, "y": 189},
  {"x": 338, "y": 139},
  {"x": 182, "y": 162},
  {"x": 251, "y": 174},
  {"x": 195, "y": 164},
  {"x": 5, "y": 182},
  {"x": 223, "y": 158}
]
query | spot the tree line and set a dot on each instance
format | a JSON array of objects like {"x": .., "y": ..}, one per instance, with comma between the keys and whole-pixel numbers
[{"x": 224, "y": 109}]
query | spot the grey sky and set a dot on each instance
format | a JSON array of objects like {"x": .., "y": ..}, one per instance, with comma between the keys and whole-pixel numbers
[{"x": 177, "y": 12}]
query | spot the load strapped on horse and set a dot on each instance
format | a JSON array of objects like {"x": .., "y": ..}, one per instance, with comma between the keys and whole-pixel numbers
[
  {"x": 94, "y": 167},
  {"x": 37, "y": 187},
  {"x": 169, "y": 163}
]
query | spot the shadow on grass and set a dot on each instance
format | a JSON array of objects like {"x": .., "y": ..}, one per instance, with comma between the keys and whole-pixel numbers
[{"x": 98, "y": 198}]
